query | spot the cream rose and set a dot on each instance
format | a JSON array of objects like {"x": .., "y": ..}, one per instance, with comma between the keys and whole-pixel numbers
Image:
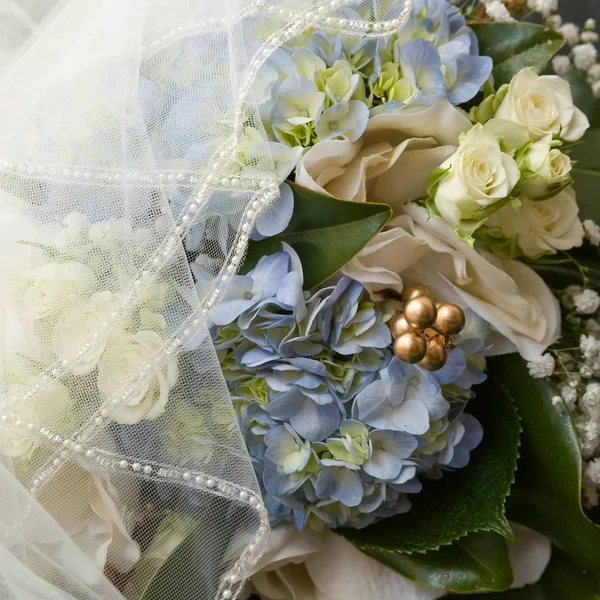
[
  {"x": 543, "y": 104},
  {"x": 392, "y": 160},
  {"x": 547, "y": 170},
  {"x": 542, "y": 226},
  {"x": 506, "y": 293},
  {"x": 478, "y": 175},
  {"x": 311, "y": 565},
  {"x": 51, "y": 407},
  {"x": 125, "y": 358},
  {"x": 91, "y": 511},
  {"x": 53, "y": 285},
  {"x": 75, "y": 326}
]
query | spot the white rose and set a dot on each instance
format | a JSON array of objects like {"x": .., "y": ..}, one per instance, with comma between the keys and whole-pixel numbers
[
  {"x": 50, "y": 407},
  {"x": 542, "y": 226},
  {"x": 324, "y": 566},
  {"x": 18, "y": 441},
  {"x": 392, "y": 160},
  {"x": 543, "y": 104},
  {"x": 390, "y": 163},
  {"x": 96, "y": 521},
  {"x": 479, "y": 175},
  {"x": 52, "y": 285},
  {"x": 75, "y": 326},
  {"x": 547, "y": 170},
  {"x": 506, "y": 293},
  {"x": 126, "y": 356}
]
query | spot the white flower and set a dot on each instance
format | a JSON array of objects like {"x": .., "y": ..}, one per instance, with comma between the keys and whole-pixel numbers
[
  {"x": 596, "y": 89},
  {"x": 591, "y": 397},
  {"x": 17, "y": 441},
  {"x": 590, "y": 346},
  {"x": 50, "y": 407},
  {"x": 393, "y": 159},
  {"x": 592, "y": 231},
  {"x": 505, "y": 293},
  {"x": 544, "y": 105},
  {"x": 100, "y": 233},
  {"x": 308, "y": 565},
  {"x": 53, "y": 285},
  {"x": 593, "y": 73},
  {"x": 590, "y": 37},
  {"x": 75, "y": 326},
  {"x": 561, "y": 64},
  {"x": 584, "y": 56},
  {"x": 90, "y": 510},
  {"x": 479, "y": 175},
  {"x": 570, "y": 32},
  {"x": 586, "y": 302},
  {"x": 569, "y": 395},
  {"x": 546, "y": 171},
  {"x": 554, "y": 21},
  {"x": 126, "y": 357},
  {"x": 497, "y": 10},
  {"x": 544, "y": 7},
  {"x": 72, "y": 233},
  {"x": 589, "y": 24},
  {"x": 541, "y": 226},
  {"x": 591, "y": 479},
  {"x": 542, "y": 367}
]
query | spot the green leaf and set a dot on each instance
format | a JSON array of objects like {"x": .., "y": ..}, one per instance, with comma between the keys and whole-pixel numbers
[
  {"x": 583, "y": 97},
  {"x": 325, "y": 232},
  {"x": 479, "y": 561},
  {"x": 547, "y": 492},
  {"x": 462, "y": 502},
  {"x": 562, "y": 580},
  {"x": 514, "y": 46},
  {"x": 586, "y": 174}
]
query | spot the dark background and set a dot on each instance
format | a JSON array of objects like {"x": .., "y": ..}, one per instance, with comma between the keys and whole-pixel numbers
[{"x": 578, "y": 11}]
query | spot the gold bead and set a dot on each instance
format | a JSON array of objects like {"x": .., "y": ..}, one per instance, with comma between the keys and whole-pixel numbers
[
  {"x": 420, "y": 312},
  {"x": 410, "y": 347},
  {"x": 398, "y": 325},
  {"x": 415, "y": 290},
  {"x": 450, "y": 318},
  {"x": 436, "y": 355}
]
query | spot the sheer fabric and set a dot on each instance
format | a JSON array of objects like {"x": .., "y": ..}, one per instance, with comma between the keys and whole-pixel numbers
[{"x": 122, "y": 125}]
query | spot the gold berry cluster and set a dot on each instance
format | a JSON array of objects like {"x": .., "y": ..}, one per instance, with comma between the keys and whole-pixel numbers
[{"x": 422, "y": 332}]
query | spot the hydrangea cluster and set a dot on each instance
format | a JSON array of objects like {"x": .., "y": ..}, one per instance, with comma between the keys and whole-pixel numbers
[
  {"x": 339, "y": 431},
  {"x": 322, "y": 85}
]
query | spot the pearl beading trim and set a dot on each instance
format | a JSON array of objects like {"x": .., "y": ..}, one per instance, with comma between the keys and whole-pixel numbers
[{"x": 110, "y": 176}]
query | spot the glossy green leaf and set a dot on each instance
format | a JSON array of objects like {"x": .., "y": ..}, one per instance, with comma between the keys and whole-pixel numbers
[
  {"x": 325, "y": 232},
  {"x": 586, "y": 174},
  {"x": 477, "y": 562},
  {"x": 547, "y": 492},
  {"x": 583, "y": 97},
  {"x": 562, "y": 580},
  {"x": 514, "y": 46},
  {"x": 462, "y": 502}
]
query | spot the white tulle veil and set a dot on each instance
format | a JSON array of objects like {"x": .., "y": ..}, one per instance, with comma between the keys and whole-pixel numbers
[{"x": 95, "y": 177}]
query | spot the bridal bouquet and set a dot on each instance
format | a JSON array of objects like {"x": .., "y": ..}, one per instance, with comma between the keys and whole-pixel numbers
[{"x": 408, "y": 324}]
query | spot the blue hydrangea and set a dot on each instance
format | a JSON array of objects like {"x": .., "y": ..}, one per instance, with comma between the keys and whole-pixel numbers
[{"x": 339, "y": 430}]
